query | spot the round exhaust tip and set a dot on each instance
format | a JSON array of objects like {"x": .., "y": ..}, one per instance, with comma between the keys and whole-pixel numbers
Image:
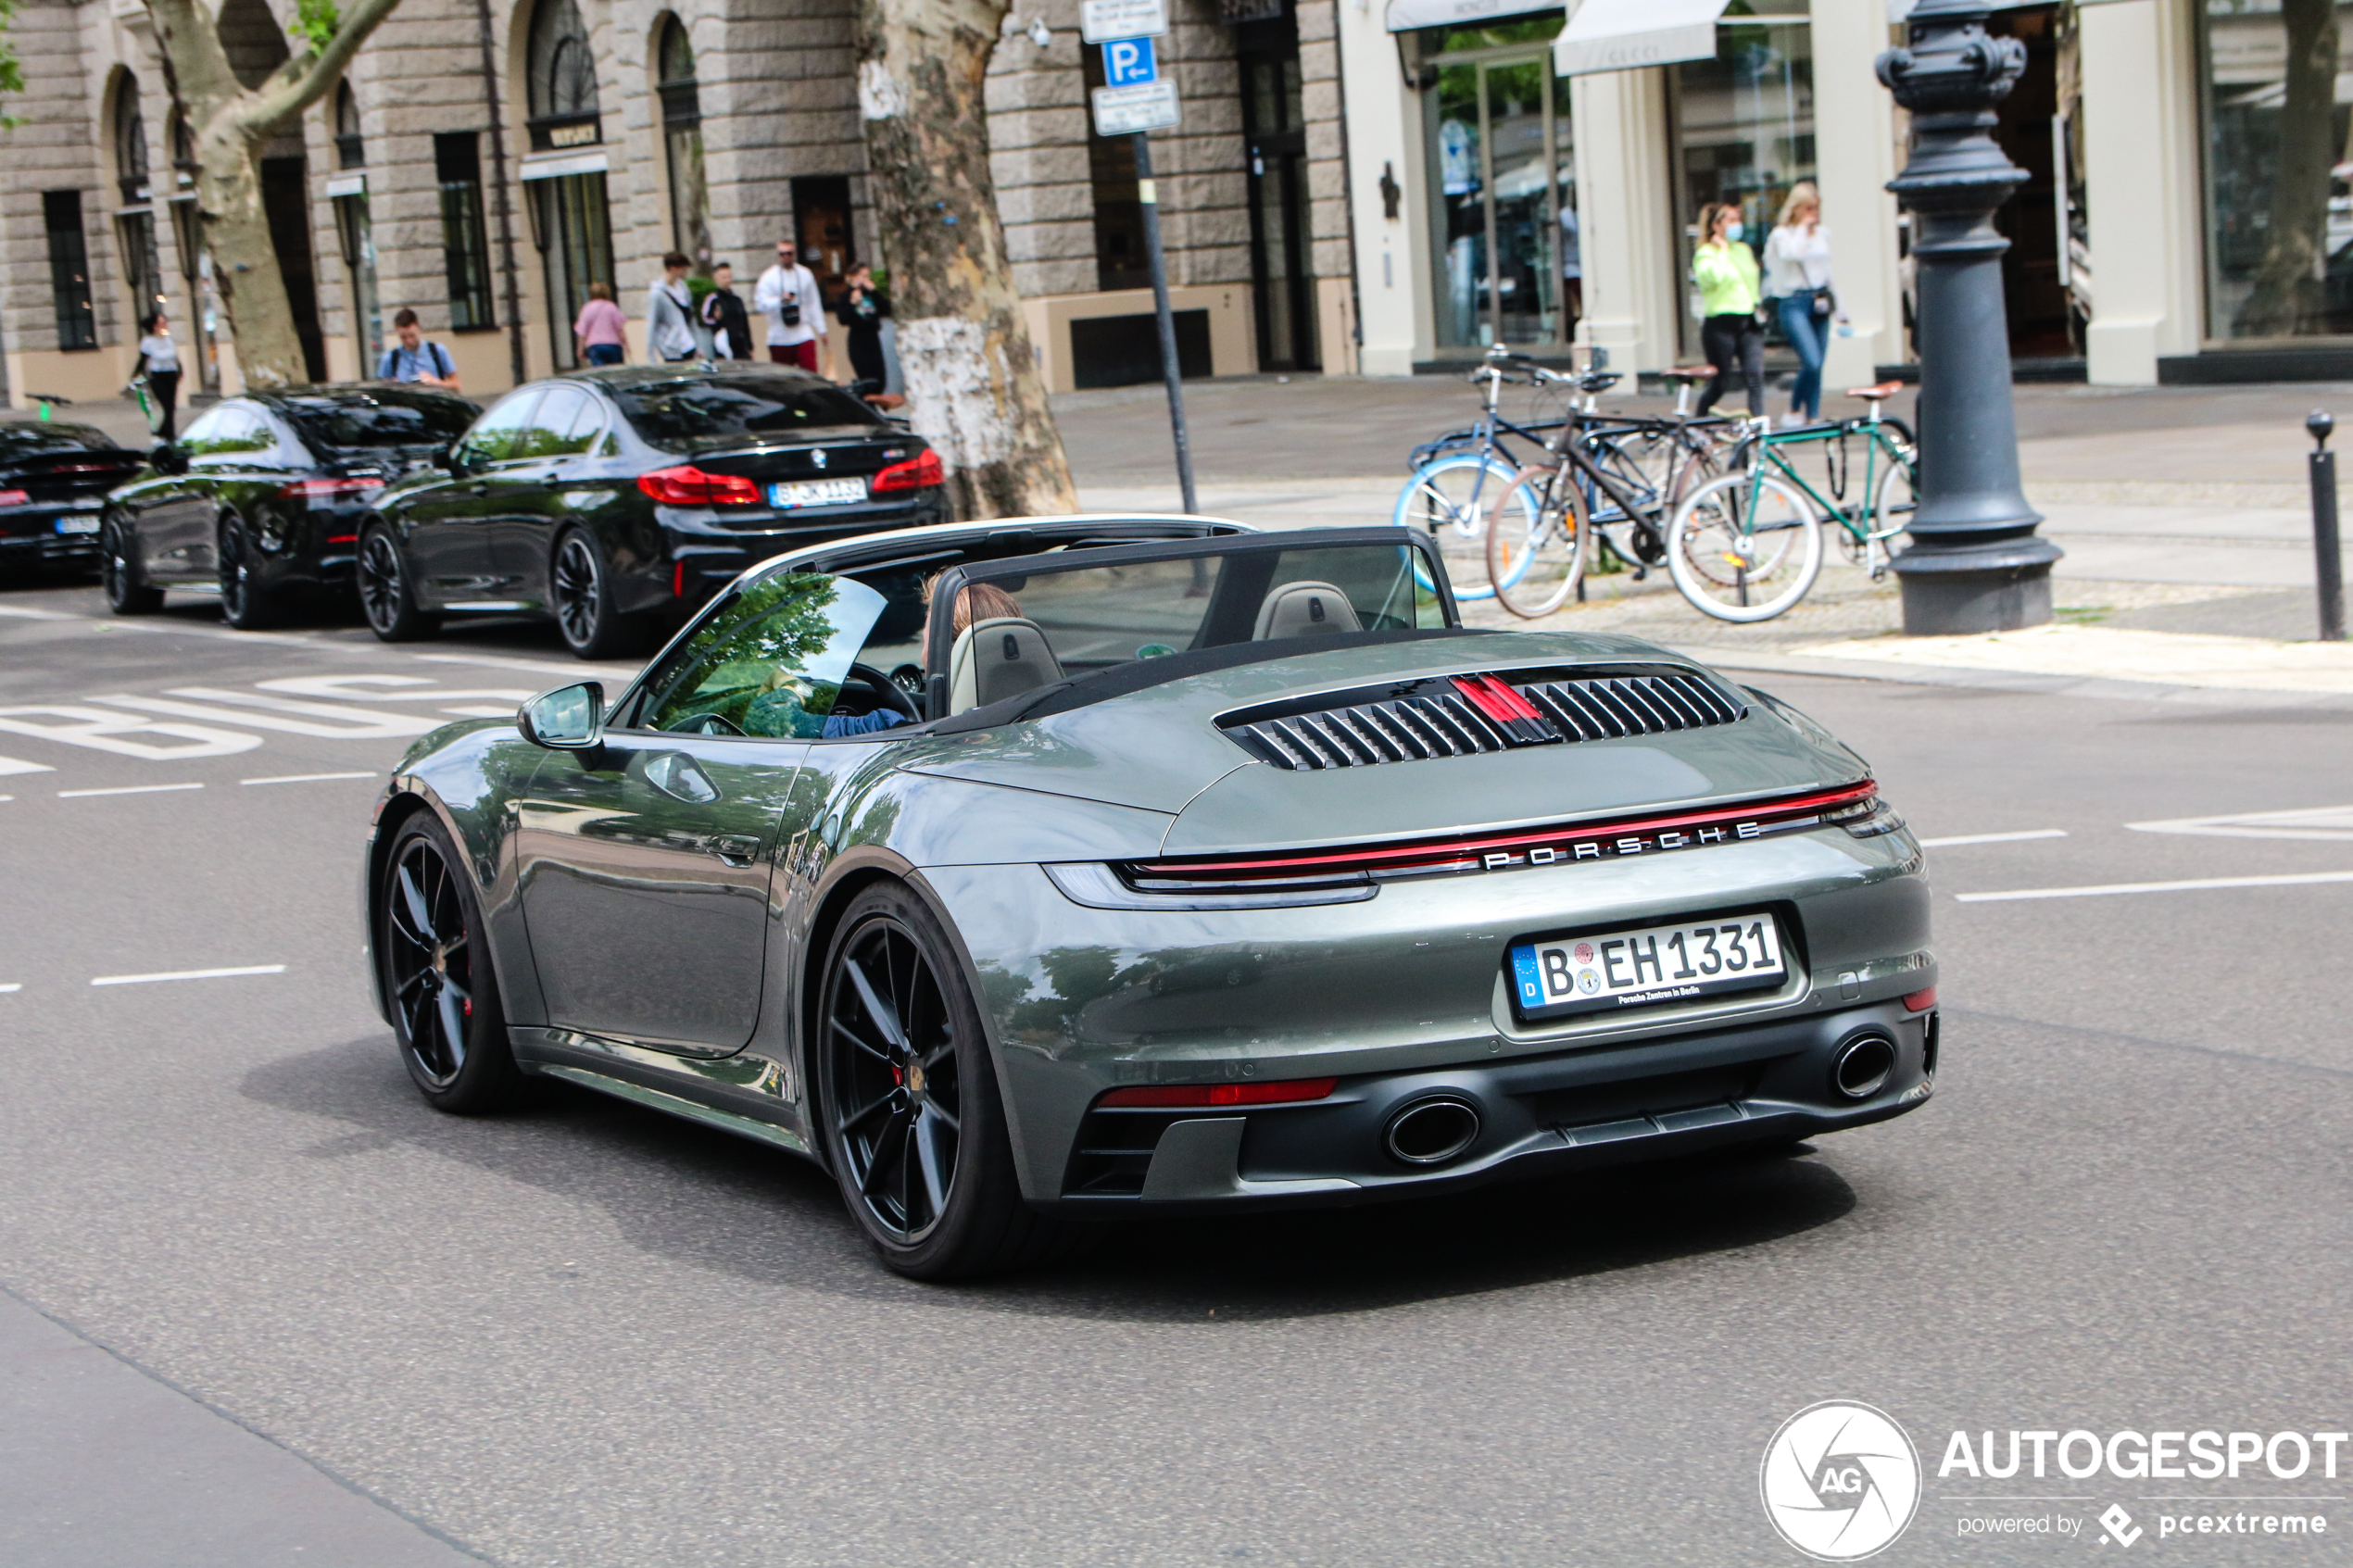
[
  {"x": 1863, "y": 1066},
  {"x": 1432, "y": 1131}
]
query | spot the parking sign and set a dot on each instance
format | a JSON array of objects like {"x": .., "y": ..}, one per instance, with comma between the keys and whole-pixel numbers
[{"x": 1128, "y": 62}]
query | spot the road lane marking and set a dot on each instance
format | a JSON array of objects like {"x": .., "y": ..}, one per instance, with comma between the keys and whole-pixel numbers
[
  {"x": 305, "y": 778},
  {"x": 583, "y": 671},
  {"x": 16, "y": 765},
  {"x": 188, "y": 974},
  {"x": 2297, "y": 880},
  {"x": 11, "y": 985},
  {"x": 347, "y": 688},
  {"x": 277, "y": 713},
  {"x": 102, "y": 731},
  {"x": 1991, "y": 838},
  {"x": 40, "y": 614},
  {"x": 2323, "y": 823},
  {"x": 125, "y": 789}
]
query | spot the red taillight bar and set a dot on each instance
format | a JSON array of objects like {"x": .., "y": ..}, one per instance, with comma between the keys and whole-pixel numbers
[
  {"x": 1178, "y": 1096},
  {"x": 316, "y": 489},
  {"x": 1453, "y": 849},
  {"x": 1921, "y": 1001},
  {"x": 687, "y": 485},
  {"x": 919, "y": 472}
]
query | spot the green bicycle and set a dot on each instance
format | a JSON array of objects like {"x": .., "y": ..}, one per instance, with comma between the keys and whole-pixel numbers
[{"x": 1747, "y": 547}]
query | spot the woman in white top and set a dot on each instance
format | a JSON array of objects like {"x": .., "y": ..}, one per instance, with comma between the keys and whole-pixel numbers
[
  {"x": 159, "y": 362},
  {"x": 1797, "y": 278}
]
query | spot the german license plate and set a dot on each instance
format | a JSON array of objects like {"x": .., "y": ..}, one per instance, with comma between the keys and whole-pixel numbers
[
  {"x": 84, "y": 524},
  {"x": 817, "y": 493},
  {"x": 1615, "y": 969}
]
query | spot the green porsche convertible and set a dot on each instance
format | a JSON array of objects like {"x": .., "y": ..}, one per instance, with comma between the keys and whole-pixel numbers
[{"x": 1028, "y": 874}]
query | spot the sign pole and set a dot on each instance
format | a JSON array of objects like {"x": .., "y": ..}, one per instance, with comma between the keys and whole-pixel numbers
[{"x": 1149, "y": 192}]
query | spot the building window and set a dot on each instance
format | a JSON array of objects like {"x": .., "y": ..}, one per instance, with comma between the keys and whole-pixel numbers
[
  {"x": 70, "y": 269},
  {"x": 2279, "y": 207},
  {"x": 136, "y": 225},
  {"x": 682, "y": 144},
  {"x": 351, "y": 149},
  {"x": 562, "y": 74},
  {"x": 1745, "y": 131},
  {"x": 465, "y": 244}
]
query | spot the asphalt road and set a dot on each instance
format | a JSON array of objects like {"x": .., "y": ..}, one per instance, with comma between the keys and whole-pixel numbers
[{"x": 294, "y": 1316}]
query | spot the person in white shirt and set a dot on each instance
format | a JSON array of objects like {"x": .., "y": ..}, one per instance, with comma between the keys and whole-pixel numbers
[
  {"x": 787, "y": 291},
  {"x": 159, "y": 362},
  {"x": 670, "y": 316},
  {"x": 1797, "y": 278}
]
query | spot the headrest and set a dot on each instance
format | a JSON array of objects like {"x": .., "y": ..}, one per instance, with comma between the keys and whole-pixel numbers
[
  {"x": 995, "y": 660},
  {"x": 1306, "y": 609}
]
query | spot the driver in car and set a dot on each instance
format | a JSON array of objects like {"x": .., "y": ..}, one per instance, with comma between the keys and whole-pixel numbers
[{"x": 778, "y": 709}]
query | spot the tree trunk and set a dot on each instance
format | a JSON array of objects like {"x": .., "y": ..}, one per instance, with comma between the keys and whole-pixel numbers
[
  {"x": 973, "y": 387},
  {"x": 2290, "y": 294}
]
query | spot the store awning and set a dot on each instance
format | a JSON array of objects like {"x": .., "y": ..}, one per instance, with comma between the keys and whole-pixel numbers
[
  {"x": 1627, "y": 34},
  {"x": 1404, "y": 15}
]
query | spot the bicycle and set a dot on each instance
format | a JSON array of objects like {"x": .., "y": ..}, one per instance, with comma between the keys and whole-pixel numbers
[
  {"x": 1453, "y": 476},
  {"x": 1758, "y": 529}
]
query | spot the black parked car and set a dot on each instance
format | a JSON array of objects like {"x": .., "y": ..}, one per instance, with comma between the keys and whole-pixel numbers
[
  {"x": 263, "y": 495},
  {"x": 616, "y": 500},
  {"x": 53, "y": 480}
]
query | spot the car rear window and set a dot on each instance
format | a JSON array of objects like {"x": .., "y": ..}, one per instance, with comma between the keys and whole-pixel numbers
[
  {"x": 23, "y": 438},
  {"x": 379, "y": 420},
  {"x": 706, "y": 410}
]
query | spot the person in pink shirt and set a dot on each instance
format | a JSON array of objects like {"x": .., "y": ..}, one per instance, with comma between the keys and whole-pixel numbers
[{"x": 601, "y": 329}]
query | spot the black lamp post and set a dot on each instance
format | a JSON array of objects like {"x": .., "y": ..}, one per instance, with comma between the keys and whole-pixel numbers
[{"x": 1974, "y": 563}]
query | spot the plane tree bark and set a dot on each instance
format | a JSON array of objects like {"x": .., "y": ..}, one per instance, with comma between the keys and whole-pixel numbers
[
  {"x": 2290, "y": 293},
  {"x": 973, "y": 389},
  {"x": 230, "y": 122}
]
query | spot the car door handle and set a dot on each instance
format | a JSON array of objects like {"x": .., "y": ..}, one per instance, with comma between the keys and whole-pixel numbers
[{"x": 737, "y": 850}]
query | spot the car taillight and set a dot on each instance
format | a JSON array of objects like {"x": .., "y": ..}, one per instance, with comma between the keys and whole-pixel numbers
[
  {"x": 13, "y": 497},
  {"x": 328, "y": 489},
  {"x": 1165, "y": 1095},
  {"x": 916, "y": 473},
  {"x": 691, "y": 486}
]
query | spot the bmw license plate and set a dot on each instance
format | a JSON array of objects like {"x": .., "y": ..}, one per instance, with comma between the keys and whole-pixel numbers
[
  {"x": 1612, "y": 970},
  {"x": 83, "y": 524},
  {"x": 817, "y": 493}
]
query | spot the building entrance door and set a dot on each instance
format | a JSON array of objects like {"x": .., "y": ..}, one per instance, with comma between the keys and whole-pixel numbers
[
  {"x": 573, "y": 227},
  {"x": 1501, "y": 154},
  {"x": 2033, "y": 290},
  {"x": 285, "y": 202},
  {"x": 1281, "y": 266}
]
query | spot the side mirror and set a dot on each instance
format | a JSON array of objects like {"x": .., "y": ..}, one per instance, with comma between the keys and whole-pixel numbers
[
  {"x": 169, "y": 458},
  {"x": 568, "y": 719}
]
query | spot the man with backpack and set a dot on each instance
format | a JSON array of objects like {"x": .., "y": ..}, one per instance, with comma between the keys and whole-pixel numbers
[{"x": 411, "y": 359}]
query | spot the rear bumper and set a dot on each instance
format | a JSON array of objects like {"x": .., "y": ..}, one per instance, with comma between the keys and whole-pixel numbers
[
  {"x": 711, "y": 557},
  {"x": 31, "y": 535}
]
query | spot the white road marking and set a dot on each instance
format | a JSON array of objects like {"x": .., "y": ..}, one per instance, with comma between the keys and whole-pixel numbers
[
  {"x": 12, "y": 765},
  {"x": 580, "y": 672},
  {"x": 11, "y": 985},
  {"x": 125, "y": 789},
  {"x": 480, "y": 710},
  {"x": 2297, "y": 880},
  {"x": 102, "y": 731},
  {"x": 1993, "y": 838},
  {"x": 188, "y": 974},
  {"x": 305, "y": 778},
  {"x": 2321, "y": 822},
  {"x": 278, "y": 713},
  {"x": 351, "y": 688},
  {"x": 39, "y": 614}
]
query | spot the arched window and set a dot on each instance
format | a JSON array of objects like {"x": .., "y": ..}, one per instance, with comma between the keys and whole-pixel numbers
[
  {"x": 351, "y": 151},
  {"x": 682, "y": 142},
  {"x": 572, "y": 213},
  {"x": 129, "y": 141},
  {"x": 136, "y": 225},
  {"x": 563, "y": 78}
]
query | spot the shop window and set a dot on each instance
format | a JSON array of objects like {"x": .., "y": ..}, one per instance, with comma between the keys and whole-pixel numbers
[
  {"x": 70, "y": 269},
  {"x": 1745, "y": 132},
  {"x": 465, "y": 244},
  {"x": 2279, "y": 205}
]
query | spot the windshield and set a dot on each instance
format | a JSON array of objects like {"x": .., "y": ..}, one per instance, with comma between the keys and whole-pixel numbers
[
  {"x": 770, "y": 663},
  {"x": 711, "y": 411},
  {"x": 22, "y": 438},
  {"x": 381, "y": 420}
]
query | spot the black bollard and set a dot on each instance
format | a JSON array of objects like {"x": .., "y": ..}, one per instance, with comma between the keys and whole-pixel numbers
[{"x": 2326, "y": 563}]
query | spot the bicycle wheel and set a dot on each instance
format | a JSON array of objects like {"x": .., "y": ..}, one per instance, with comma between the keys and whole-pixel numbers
[
  {"x": 1897, "y": 499},
  {"x": 1754, "y": 529},
  {"x": 1449, "y": 498},
  {"x": 1534, "y": 567}
]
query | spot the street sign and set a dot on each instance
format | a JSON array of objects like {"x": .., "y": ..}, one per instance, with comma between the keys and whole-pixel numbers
[
  {"x": 1128, "y": 111},
  {"x": 1127, "y": 62},
  {"x": 1100, "y": 21}
]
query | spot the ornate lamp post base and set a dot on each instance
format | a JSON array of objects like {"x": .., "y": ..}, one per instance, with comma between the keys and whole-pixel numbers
[{"x": 1951, "y": 591}]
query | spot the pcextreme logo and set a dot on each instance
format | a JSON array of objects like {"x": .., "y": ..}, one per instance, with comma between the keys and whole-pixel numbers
[{"x": 1840, "y": 1481}]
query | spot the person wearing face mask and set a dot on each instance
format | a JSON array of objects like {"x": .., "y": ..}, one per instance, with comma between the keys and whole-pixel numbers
[{"x": 1724, "y": 270}]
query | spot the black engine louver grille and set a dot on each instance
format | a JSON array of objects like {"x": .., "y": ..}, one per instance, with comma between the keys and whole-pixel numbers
[{"x": 1468, "y": 715}]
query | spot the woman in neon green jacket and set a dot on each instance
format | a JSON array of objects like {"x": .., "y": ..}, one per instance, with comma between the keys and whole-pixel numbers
[{"x": 1724, "y": 269}]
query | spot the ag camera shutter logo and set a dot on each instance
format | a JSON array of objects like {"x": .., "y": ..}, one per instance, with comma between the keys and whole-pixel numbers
[{"x": 1840, "y": 1480}]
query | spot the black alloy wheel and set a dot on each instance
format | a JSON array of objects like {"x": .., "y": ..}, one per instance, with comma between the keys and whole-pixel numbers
[
  {"x": 242, "y": 604},
  {"x": 909, "y": 1110},
  {"x": 126, "y": 594},
  {"x": 438, "y": 975},
  {"x": 384, "y": 598},
  {"x": 582, "y": 588}
]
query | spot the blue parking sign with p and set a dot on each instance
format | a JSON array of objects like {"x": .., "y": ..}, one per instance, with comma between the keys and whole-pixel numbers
[{"x": 1127, "y": 62}]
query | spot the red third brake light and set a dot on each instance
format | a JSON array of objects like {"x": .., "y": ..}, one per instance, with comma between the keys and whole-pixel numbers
[
  {"x": 691, "y": 486},
  {"x": 916, "y": 473},
  {"x": 1172, "y": 1095}
]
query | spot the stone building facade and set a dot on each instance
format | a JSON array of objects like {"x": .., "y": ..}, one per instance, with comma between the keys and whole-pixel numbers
[{"x": 605, "y": 132}]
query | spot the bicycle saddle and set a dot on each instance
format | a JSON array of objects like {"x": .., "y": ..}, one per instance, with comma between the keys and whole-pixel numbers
[{"x": 1874, "y": 394}]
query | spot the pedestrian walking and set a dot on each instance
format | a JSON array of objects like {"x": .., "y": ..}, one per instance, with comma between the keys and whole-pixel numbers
[
  {"x": 411, "y": 359},
  {"x": 669, "y": 313},
  {"x": 796, "y": 311},
  {"x": 159, "y": 362},
  {"x": 1797, "y": 279},
  {"x": 602, "y": 331},
  {"x": 1731, "y": 330},
  {"x": 864, "y": 308},
  {"x": 723, "y": 313}
]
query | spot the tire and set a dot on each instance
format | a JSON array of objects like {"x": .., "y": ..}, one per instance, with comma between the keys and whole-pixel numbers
[
  {"x": 127, "y": 592},
  {"x": 1439, "y": 499},
  {"x": 243, "y": 604},
  {"x": 907, "y": 1102},
  {"x": 1892, "y": 508},
  {"x": 580, "y": 586},
  {"x": 434, "y": 959},
  {"x": 1534, "y": 570},
  {"x": 1764, "y": 528},
  {"x": 385, "y": 597}
]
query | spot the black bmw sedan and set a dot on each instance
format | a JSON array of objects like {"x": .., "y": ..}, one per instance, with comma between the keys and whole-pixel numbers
[
  {"x": 262, "y": 494},
  {"x": 614, "y": 501},
  {"x": 54, "y": 478}
]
